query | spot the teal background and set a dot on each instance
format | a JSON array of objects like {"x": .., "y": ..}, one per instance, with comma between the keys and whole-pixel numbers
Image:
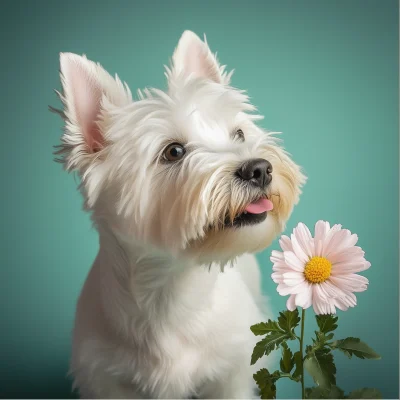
[{"x": 325, "y": 73}]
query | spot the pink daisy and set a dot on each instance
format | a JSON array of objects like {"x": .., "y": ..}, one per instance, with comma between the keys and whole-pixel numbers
[{"x": 320, "y": 271}]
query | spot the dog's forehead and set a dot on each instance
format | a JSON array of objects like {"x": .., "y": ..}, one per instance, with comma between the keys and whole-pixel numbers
[
  {"x": 203, "y": 126},
  {"x": 208, "y": 114}
]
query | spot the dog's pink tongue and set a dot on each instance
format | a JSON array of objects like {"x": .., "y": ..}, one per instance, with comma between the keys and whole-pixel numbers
[{"x": 260, "y": 206}]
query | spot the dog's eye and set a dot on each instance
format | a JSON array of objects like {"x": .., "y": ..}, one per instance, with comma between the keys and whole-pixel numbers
[
  {"x": 239, "y": 135},
  {"x": 174, "y": 152}
]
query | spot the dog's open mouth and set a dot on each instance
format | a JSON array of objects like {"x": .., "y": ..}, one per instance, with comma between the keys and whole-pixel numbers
[{"x": 254, "y": 213}]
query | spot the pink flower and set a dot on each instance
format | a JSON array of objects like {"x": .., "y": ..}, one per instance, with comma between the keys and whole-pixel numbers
[{"x": 320, "y": 271}]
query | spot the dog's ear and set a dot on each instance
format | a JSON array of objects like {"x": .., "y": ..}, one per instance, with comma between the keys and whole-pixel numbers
[
  {"x": 193, "y": 57},
  {"x": 87, "y": 88}
]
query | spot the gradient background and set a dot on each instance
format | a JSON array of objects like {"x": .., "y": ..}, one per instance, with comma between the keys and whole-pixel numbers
[{"x": 325, "y": 73}]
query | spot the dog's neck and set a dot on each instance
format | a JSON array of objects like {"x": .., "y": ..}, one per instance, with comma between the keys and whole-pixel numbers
[{"x": 149, "y": 288}]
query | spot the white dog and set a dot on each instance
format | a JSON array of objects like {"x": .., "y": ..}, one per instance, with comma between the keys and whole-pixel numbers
[{"x": 179, "y": 184}]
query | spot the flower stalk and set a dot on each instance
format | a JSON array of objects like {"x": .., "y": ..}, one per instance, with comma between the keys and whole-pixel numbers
[{"x": 303, "y": 316}]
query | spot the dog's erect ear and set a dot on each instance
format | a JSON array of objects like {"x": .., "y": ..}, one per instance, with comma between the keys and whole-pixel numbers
[
  {"x": 86, "y": 87},
  {"x": 193, "y": 56}
]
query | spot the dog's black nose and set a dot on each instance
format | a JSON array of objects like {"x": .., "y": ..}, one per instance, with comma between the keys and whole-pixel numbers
[{"x": 257, "y": 171}]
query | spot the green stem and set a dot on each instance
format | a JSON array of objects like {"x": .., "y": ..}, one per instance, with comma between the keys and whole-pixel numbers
[
  {"x": 303, "y": 316},
  {"x": 282, "y": 375}
]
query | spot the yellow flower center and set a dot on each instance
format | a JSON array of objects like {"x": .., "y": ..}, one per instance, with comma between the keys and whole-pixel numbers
[{"x": 317, "y": 270}]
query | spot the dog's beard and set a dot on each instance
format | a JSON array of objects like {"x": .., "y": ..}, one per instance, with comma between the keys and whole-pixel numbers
[
  {"x": 230, "y": 230},
  {"x": 229, "y": 205}
]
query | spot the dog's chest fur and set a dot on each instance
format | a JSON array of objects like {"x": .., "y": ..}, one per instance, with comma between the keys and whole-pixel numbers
[{"x": 166, "y": 336}]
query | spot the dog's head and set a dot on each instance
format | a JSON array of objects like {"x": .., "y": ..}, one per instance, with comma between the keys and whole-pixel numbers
[{"x": 186, "y": 170}]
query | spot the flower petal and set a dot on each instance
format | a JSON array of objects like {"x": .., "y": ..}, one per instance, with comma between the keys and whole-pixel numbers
[
  {"x": 321, "y": 304},
  {"x": 285, "y": 243},
  {"x": 318, "y": 302},
  {"x": 344, "y": 299},
  {"x": 340, "y": 241},
  {"x": 347, "y": 255},
  {"x": 349, "y": 267},
  {"x": 284, "y": 289},
  {"x": 277, "y": 277},
  {"x": 316, "y": 306},
  {"x": 293, "y": 278},
  {"x": 304, "y": 238},
  {"x": 359, "y": 278},
  {"x": 343, "y": 303},
  {"x": 318, "y": 246},
  {"x": 328, "y": 237},
  {"x": 304, "y": 298},
  {"x": 336, "y": 240},
  {"x": 280, "y": 267},
  {"x": 331, "y": 290},
  {"x": 277, "y": 256},
  {"x": 321, "y": 229},
  {"x": 340, "y": 304},
  {"x": 327, "y": 291},
  {"x": 297, "y": 249},
  {"x": 290, "y": 304},
  {"x": 350, "y": 282},
  {"x": 293, "y": 262}
]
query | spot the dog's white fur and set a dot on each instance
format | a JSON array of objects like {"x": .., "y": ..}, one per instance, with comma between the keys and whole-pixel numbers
[{"x": 159, "y": 315}]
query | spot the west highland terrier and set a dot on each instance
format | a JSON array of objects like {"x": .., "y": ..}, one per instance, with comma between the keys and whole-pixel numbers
[{"x": 179, "y": 184}]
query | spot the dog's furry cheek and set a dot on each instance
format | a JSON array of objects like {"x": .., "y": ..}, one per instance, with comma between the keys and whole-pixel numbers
[{"x": 288, "y": 180}]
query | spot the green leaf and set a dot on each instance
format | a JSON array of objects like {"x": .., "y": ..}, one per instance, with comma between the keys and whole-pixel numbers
[
  {"x": 326, "y": 323},
  {"x": 298, "y": 362},
  {"x": 354, "y": 346},
  {"x": 329, "y": 337},
  {"x": 309, "y": 349},
  {"x": 322, "y": 337},
  {"x": 258, "y": 351},
  {"x": 266, "y": 383},
  {"x": 365, "y": 393},
  {"x": 287, "y": 360},
  {"x": 263, "y": 328},
  {"x": 319, "y": 393},
  {"x": 288, "y": 320},
  {"x": 266, "y": 345},
  {"x": 321, "y": 340},
  {"x": 321, "y": 367},
  {"x": 276, "y": 375},
  {"x": 269, "y": 392},
  {"x": 261, "y": 376}
]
